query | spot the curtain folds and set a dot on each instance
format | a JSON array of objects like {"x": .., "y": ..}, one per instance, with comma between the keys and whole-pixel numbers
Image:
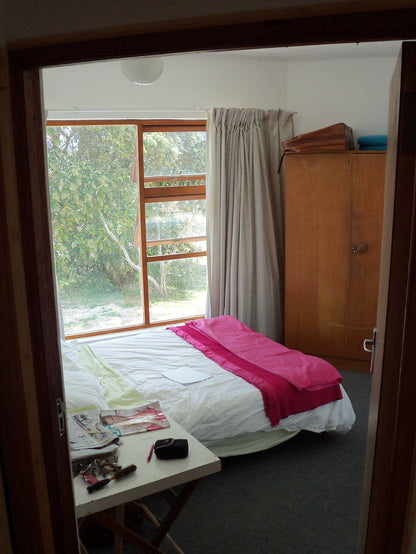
[{"x": 245, "y": 228}]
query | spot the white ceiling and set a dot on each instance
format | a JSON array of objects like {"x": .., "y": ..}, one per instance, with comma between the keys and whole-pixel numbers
[
  {"x": 302, "y": 53},
  {"x": 322, "y": 51}
]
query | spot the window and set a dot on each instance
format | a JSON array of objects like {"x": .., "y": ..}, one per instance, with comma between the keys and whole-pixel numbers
[{"x": 128, "y": 222}]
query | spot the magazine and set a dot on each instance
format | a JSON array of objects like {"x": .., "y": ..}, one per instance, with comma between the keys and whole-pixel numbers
[
  {"x": 148, "y": 417},
  {"x": 85, "y": 431}
]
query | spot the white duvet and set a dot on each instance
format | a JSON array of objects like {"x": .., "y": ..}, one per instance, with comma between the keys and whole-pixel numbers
[{"x": 219, "y": 407}]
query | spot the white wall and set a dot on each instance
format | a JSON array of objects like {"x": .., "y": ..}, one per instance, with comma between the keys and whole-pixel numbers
[
  {"x": 321, "y": 92},
  {"x": 188, "y": 87},
  {"x": 352, "y": 91}
]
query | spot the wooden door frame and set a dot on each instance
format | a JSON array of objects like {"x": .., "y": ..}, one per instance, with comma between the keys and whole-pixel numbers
[
  {"x": 391, "y": 434},
  {"x": 26, "y": 208}
]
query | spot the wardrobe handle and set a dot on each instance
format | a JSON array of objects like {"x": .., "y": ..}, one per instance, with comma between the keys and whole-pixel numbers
[{"x": 361, "y": 248}]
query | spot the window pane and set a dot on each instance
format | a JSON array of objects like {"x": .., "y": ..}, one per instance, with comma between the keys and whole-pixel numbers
[
  {"x": 177, "y": 219},
  {"x": 93, "y": 212},
  {"x": 93, "y": 303},
  {"x": 174, "y": 183},
  {"x": 177, "y": 288},
  {"x": 176, "y": 247},
  {"x": 174, "y": 153}
]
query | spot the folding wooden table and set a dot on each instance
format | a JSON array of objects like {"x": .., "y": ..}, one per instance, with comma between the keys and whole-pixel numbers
[{"x": 149, "y": 478}]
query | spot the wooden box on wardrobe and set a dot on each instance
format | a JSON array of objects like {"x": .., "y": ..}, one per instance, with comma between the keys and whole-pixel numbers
[{"x": 333, "y": 221}]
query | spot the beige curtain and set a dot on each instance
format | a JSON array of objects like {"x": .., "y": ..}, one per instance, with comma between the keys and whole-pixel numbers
[{"x": 245, "y": 230}]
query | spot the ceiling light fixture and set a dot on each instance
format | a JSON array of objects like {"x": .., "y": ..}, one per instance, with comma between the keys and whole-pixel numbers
[{"x": 142, "y": 71}]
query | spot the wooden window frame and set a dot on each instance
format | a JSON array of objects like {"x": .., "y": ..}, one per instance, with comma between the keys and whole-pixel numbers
[{"x": 148, "y": 195}]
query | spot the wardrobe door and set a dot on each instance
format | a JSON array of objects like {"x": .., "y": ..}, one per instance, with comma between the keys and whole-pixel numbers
[
  {"x": 317, "y": 252},
  {"x": 367, "y": 218}
]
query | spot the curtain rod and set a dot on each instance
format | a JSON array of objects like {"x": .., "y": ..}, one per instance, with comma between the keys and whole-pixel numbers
[{"x": 123, "y": 114}]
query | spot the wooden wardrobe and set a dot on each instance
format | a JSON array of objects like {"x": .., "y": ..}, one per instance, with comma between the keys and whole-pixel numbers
[{"x": 333, "y": 220}]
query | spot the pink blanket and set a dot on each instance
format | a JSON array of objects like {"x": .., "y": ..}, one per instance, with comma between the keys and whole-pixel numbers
[
  {"x": 302, "y": 371},
  {"x": 290, "y": 382}
]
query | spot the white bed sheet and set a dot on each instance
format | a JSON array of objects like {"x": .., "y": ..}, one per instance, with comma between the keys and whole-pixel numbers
[{"x": 221, "y": 407}]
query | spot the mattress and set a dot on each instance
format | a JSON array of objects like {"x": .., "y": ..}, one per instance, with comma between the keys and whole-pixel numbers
[{"x": 223, "y": 411}]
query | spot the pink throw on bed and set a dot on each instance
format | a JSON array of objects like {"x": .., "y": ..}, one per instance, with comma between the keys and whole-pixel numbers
[
  {"x": 301, "y": 370},
  {"x": 290, "y": 381}
]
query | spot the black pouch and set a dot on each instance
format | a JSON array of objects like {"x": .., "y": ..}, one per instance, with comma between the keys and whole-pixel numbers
[{"x": 169, "y": 449}]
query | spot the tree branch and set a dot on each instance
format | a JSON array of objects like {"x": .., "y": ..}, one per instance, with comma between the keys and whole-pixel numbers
[
  {"x": 126, "y": 255},
  {"x": 119, "y": 244}
]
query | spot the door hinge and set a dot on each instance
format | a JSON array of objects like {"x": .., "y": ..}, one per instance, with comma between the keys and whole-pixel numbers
[{"x": 60, "y": 406}]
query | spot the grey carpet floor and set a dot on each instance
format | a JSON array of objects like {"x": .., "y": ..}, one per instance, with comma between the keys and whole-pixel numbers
[{"x": 301, "y": 497}]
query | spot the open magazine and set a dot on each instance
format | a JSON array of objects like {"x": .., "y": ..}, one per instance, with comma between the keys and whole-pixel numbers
[
  {"x": 85, "y": 431},
  {"x": 148, "y": 417}
]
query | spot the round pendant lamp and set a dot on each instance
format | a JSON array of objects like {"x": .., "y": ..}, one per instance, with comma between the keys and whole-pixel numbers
[{"x": 142, "y": 71}]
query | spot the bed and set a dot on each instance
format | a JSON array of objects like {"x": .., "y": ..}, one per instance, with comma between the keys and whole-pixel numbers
[{"x": 221, "y": 409}]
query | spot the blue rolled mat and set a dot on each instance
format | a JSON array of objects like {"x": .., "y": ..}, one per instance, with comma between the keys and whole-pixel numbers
[
  {"x": 373, "y": 140},
  {"x": 373, "y": 147}
]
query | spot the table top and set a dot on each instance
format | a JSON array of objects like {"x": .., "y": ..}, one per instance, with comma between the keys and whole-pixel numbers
[{"x": 149, "y": 478}]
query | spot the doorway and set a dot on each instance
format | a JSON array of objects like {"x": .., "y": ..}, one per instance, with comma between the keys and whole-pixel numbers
[{"x": 33, "y": 207}]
